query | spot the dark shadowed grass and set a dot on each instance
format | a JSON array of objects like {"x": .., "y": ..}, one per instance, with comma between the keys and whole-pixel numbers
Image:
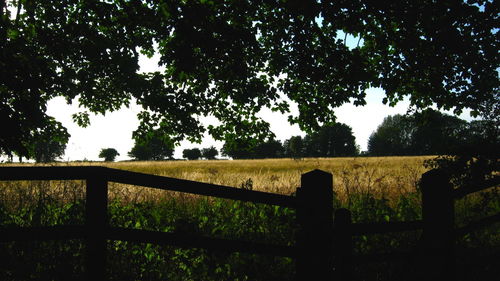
[{"x": 361, "y": 189}]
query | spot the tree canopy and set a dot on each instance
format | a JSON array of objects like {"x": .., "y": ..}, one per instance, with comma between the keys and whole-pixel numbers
[
  {"x": 49, "y": 143},
  {"x": 109, "y": 154},
  {"x": 209, "y": 153},
  {"x": 429, "y": 132},
  {"x": 192, "y": 153},
  {"x": 230, "y": 59},
  {"x": 332, "y": 140},
  {"x": 153, "y": 145}
]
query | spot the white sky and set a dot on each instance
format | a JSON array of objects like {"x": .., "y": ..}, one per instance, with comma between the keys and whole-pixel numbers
[{"x": 115, "y": 129}]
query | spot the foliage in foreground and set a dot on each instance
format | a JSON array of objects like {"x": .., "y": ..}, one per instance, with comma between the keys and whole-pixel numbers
[
  {"x": 61, "y": 260},
  {"x": 232, "y": 59}
]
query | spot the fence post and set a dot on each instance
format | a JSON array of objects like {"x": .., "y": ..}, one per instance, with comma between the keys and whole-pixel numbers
[
  {"x": 438, "y": 230},
  {"x": 342, "y": 244},
  {"x": 96, "y": 219},
  {"x": 315, "y": 238}
]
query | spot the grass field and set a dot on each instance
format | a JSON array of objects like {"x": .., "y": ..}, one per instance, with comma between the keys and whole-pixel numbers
[
  {"x": 374, "y": 189},
  {"x": 387, "y": 177}
]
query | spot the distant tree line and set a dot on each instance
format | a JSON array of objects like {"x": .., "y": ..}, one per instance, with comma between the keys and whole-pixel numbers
[
  {"x": 333, "y": 140},
  {"x": 209, "y": 153},
  {"x": 428, "y": 132}
]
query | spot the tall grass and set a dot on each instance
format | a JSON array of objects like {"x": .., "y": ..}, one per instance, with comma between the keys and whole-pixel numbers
[
  {"x": 387, "y": 177},
  {"x": 374, "y": 189}
]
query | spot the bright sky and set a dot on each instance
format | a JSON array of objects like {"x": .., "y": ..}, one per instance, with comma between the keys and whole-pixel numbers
[{"x": 115, "y": 129}]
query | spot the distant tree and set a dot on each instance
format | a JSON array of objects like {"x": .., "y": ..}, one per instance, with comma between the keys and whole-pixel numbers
[
  {"x": 479, "y": 132},
  {"x": 428, "y": 132},
  {"x": 239, "y": 148},
  {"x": 332, "y": 140},
  {"x": 393, "y": 137},
  {"x": 230, "y": 59},
  {"x": 48, "y": 144},
  {"x": 109, "y": 154},
  {"x": 271, "y": 148},
  {"x": 209, "y": 153},
  {"x": 191, "y": 154},
  {"x": 294, "y": 147},
  {"x": 153, "y": 145},
  {"x": 436, "y": 133},
  {"x": 476, "y": 159},
  {"x": 140, "y": 152}
]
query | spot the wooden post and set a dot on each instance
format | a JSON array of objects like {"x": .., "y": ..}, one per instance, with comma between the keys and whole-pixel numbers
[
  {"x": 96, "y": 219},
  {"x": 342, "y": 245},
  {"x": 438, "y": 230},
  {"x": 315, "y": 238}
]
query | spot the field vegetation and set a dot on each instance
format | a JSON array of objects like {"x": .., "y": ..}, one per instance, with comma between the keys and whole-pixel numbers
[{"x": 375, "y": 189}]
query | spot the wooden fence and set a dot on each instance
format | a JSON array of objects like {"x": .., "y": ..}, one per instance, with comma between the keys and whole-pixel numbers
[
  {"x": 323, "y": 249},
  {"x": 436, "y": 252}
]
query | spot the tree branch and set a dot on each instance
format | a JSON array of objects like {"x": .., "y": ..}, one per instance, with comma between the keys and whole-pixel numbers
[
  {"x": 358, "y": 40},
  {"x": 2, "y": 6},
  {"x": 19, "y": 7}
]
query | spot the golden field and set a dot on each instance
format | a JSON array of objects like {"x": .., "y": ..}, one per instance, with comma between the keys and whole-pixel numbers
[{"x": 387, "y": 177}]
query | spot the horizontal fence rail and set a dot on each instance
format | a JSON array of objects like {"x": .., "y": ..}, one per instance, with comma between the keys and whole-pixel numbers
[
  {"x": 182, "y": 240},
  {"x": 324, "y": 241},
  {"x": 97, "y": 231},
  {"x": 145, "y": 180}
]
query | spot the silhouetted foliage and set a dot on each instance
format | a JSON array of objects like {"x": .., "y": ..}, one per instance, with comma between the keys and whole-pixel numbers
[
  {"x": 230, "y": 59},
  {"x": 153, "y": 145},
  {"x": 239, "y": 148},
  {"x": 476, "y": 158},
  {"x": 49, "y": 143},
  {"x": 209, "y": 153},
  {"x": 392, "y": 137},
  {"x": 109, "y": 154},
  {"x": 331, "y": 141},
  {"x": 269, "y": 149},
  {"x": 429, "y": 132},
  {"x": 294, "y": 147},
  {"x": 191, "y": 154}
]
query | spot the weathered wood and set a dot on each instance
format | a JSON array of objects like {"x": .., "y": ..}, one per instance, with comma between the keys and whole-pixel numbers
[
  {"x": 96, "y": 223},
  {"x": 315, "y": 217},
  {"x": 438, "y": 230},
  {"x": 50, "y": 172},
  {"x": 200, "y": 188},
  {"x": 317, "y": 240},
  {"x": 342, "y": 244},
  {"x": 146, "y": 180}
]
